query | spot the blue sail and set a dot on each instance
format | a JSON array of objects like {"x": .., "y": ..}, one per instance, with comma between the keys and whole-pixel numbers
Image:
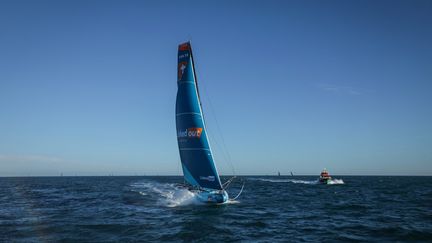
[{"x": 196, "y": 157}]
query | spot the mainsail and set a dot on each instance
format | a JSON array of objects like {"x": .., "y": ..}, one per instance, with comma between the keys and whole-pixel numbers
[{"x": 195, "y": 153}]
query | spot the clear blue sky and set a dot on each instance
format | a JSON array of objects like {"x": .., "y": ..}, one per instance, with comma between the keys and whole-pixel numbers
[{"x": 88, "y": 87}]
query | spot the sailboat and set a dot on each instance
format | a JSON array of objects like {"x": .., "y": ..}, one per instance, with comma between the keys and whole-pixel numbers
[{"x": 199, "y": 169}]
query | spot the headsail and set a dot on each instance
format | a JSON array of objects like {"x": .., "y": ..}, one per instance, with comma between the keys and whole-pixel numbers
[{"x": 195, "y": 153}]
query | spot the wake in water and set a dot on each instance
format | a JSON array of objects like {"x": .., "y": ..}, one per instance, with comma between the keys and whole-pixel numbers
[
  {"x": 170, "y": 194},
  {"x": 287, "y": 180},
  {"x": 336, "y": 182},
  {"x": 166, "y": 194},
  {"x": 312, "y": 182}
]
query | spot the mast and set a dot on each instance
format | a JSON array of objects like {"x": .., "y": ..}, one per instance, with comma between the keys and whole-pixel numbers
[{"x": 194, "y": 73}]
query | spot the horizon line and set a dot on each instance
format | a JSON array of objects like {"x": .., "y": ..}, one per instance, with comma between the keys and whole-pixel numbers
[{"x": 252, "y": 175}]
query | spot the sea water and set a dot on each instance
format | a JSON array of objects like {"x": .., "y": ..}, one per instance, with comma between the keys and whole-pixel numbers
[{"x": 96, "y": 209}]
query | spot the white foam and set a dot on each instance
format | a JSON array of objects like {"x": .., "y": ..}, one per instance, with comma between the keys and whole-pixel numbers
[
  {"x": 314, "y": 182},
  {"x": 336, "y": 182},
  {"x": 304, "y": 182},
  {"x": 167, "y": 194},
  {"x": 288, "y": 180},
  {"x": 232, "y": 202}
]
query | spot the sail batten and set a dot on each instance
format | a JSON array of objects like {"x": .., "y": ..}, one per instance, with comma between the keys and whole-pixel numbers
[{"x": 195, "y": 153}]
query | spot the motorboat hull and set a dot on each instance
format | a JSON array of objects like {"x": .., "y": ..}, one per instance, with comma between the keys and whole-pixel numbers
[{"x": 325, "y": 181}]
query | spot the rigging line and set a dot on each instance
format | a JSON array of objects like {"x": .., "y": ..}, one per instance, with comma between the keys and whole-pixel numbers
[
  {"x": 228, "y": 182},
  {"x": 178, "y": 166},
  {"x": 217, "y": 123},
  {"x": 217, "y": 145},
  {"x": 224, "y": 149},
  {"x": 241, "y": 190}
]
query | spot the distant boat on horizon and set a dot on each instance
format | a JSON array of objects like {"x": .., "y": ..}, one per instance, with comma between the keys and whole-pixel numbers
[{"x": 325, "y": 177}]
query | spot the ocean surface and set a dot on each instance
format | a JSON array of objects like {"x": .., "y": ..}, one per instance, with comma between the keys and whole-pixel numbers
[{"x": 96, "y": 209}]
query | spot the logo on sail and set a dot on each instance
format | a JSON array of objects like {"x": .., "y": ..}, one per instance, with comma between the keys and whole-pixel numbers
[
  {"x": 207, "y": 178},
  {"x": 184, "y": 47},
  {"x": 193, "y": 132},
  {"x": 181, "y": 69}
]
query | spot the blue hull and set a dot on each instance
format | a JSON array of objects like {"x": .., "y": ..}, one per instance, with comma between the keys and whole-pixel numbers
[{"x": 212, "y": 197}]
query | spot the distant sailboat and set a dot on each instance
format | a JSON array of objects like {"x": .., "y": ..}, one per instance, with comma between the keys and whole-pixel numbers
[{"x": 197, "y": 161}]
